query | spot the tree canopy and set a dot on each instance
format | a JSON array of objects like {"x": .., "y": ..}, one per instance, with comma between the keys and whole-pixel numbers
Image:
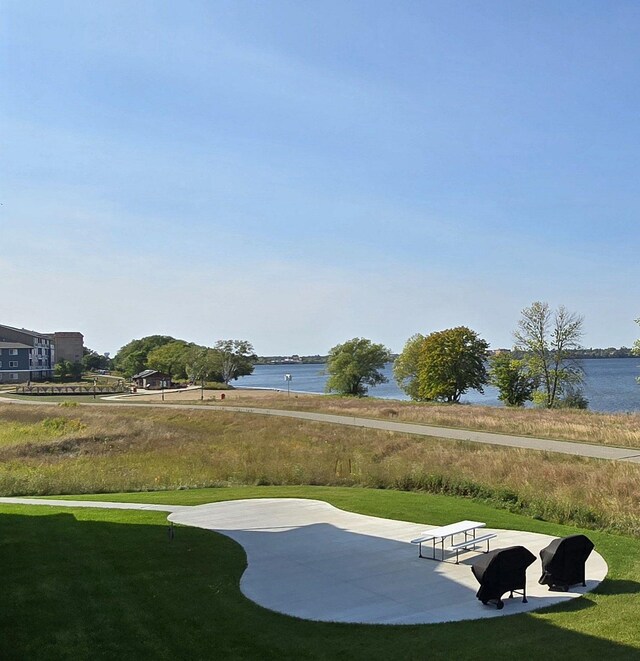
[
  {"x": 513, "y": 379},
  {"x": 547, "y": 338},
  {"x": 450, "y": 362},
  {"x": 354, "y": 365},
  {"x": 170, "y": 358},
  {"x": 225, "y": 361},
  {"x": 236, "y": 358},
  {"x": 202, "y": 364},
  {"x": 406, "y": 365},
  {"x": 92, "y": 360},
  {"x": 132, "y": 357}
]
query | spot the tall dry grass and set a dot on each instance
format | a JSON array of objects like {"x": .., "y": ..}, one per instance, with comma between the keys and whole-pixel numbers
[
  {"x": 618, "y": 429},
  {"x": 109, "y": 450}
]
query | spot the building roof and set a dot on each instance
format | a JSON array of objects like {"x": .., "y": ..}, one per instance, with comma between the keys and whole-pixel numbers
[
  {"x": 22, "y": 330},
  {"x": 145, "y": 374},
  {"x": 14, "y": 345}
]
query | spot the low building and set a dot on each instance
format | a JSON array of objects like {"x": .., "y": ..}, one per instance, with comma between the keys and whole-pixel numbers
[
  {"x": 151, "y": 380},
  {"x": 25, "y": 355}
]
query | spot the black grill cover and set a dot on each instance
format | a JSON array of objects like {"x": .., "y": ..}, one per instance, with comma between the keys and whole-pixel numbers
[
  {"x": 501, "y": 571},
  {"x": 564, "y": 559}
]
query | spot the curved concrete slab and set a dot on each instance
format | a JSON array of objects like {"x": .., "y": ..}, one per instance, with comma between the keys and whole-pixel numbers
[{"x": 311, "y": 560}]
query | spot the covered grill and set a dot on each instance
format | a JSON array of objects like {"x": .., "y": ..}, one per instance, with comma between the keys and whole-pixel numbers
[
  {"x": 563, "y": 561},
  {"x": 500, "y": 571}
]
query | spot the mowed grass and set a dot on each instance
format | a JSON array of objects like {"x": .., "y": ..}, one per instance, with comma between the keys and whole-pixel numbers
[
  {"x": 53, "y": 450},
  {"x": 100, "y": 584}
]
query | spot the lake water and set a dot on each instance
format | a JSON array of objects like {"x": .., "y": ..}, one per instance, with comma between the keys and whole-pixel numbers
[{"x": 610, "y": 383}]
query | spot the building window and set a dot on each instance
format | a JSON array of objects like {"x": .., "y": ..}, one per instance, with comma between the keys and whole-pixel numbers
[
  {"x": 13, "y": 376},
  {"x": 13, "y": 363},
  {"x": 13, "y": 352}
]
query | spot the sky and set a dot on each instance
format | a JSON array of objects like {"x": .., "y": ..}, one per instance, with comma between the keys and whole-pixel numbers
[{"x": 299, "y": 173}]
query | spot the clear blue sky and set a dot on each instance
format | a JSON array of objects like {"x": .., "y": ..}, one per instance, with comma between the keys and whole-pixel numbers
[{"x": 301, "y": 172}]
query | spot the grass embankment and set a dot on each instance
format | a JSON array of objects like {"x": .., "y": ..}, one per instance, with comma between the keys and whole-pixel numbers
[
  {"x": 61, "y": 450},
  {"x": 100, "y": 584}
]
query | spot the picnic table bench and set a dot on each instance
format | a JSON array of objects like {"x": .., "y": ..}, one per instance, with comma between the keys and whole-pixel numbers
[{"x": 441, "y": 534}]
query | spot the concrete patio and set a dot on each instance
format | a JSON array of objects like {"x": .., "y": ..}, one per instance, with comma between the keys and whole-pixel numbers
[{"x": 311, "y": 560}]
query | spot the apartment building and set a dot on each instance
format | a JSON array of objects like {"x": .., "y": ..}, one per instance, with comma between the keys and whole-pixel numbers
[{"x": 25, "y": 355}]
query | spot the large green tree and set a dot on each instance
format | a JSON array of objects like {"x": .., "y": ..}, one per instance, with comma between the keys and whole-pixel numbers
[
  {"x": 235, "y": 358},
  {"x": 132, "y": 357},
  {"x": 547, "y": 339},
  {"x": 406, "y": 365},
  {"x": 170, "y": 358},
  {"x": 513, "y": 379},
  {"x": 354, "y": 365},
  {"x": 451, "y": 362},
  {"x": 203, "y": 364}
]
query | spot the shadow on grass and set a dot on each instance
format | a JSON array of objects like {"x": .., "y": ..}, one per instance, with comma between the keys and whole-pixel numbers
[
  {"x": 618, "y": 586},
  {"x": 97, "y": 584}
]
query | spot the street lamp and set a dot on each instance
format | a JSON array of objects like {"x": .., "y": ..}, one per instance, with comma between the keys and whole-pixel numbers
[{"x": 287, "y": 378}]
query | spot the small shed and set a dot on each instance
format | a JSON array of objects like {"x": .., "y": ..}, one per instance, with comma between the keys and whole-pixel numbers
[{"x": 151, "y": 380}]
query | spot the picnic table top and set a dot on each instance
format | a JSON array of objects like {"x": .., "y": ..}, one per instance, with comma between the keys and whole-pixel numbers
[{"x": 451, "y": 529}]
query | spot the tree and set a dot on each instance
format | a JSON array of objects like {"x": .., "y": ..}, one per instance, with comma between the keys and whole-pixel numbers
[
  {"x": 203, "y": 364},
  {"x": 62, "y": 370},
  {"x": 75, "y": 371},
  {"x": 235, "y": 358},
  {"x": 132, "y": 357},
  {"x": 356, "y": 364},
  {"x": 405, "y": 367},
  {"x": 547, "y": 338},
  {"x": 513, "y": 379},
  {"x": 92, "y": 360},
  {"x": 169, "y": 358},
  {"x": 451, "y": 362}
]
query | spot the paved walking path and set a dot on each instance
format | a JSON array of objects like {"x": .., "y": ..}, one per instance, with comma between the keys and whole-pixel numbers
[
  {"x": 100, "y": 504},
  {"x": 308, "y": 559},
  {"x": 506, "y": 440}
]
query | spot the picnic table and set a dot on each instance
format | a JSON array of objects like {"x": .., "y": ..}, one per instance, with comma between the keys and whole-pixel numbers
[{"x": 441, "y": 534}]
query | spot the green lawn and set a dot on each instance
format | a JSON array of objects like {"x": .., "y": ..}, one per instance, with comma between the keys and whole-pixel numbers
[{"x": 87, "y": 583}]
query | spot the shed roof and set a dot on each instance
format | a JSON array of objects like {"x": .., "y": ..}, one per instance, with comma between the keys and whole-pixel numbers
[{"x": 145, "y": 374}]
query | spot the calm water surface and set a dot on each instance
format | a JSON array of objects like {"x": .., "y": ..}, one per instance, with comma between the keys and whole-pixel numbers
[{"x": 610, "y": 383}]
